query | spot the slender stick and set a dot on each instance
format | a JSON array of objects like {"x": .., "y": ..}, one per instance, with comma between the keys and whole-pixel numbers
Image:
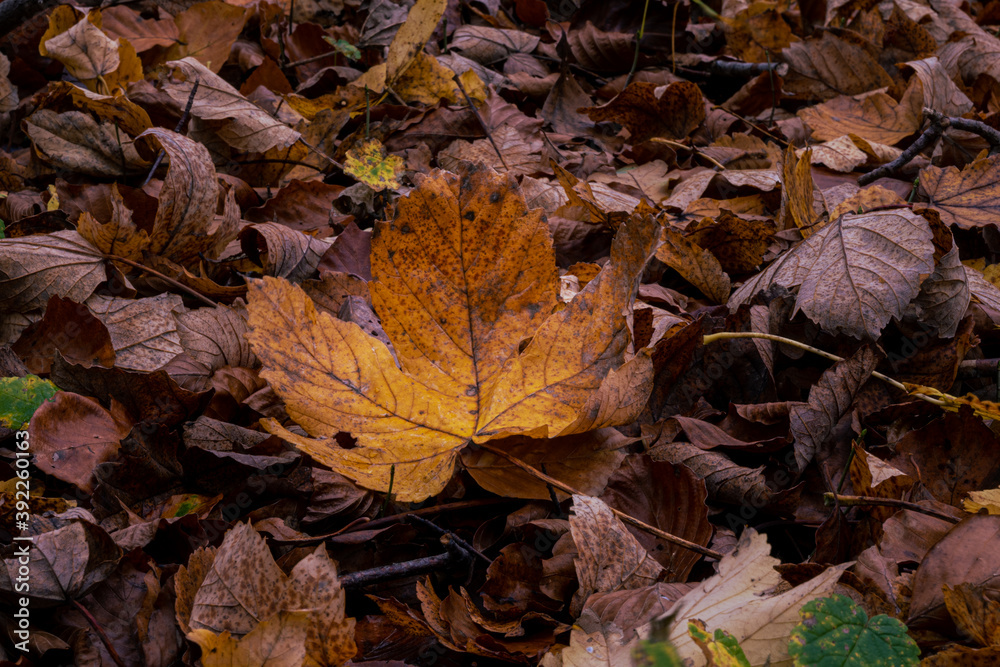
[
  {"x": 638, "y": 39},
  {"x": 724, "y": 335},
  {"x": 180, "y": 126},
  {"x": 566, "y": 488},
  {"x": 100, "y": 633},
  {"x": 860, "y": 501},
  {"x": 179, "y": 285},
  {"x": 489, "y": 135}
]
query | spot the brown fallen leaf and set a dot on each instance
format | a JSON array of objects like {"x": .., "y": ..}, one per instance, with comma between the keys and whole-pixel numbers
[
  {"x": 968, "y": 198},
  {"x": 966, "y": 555},
  {"x": 877, "y": 117},
  {"x": 648, "y": 110},
  {"x": 74, "y": 141},
  {"x": 610, "y": 558},
  {"x": 829, "y": 399},
  {"x": 854, "y": 274},
  {"x": 73, "y": 433},
  {"x": 207, "y": 31}
]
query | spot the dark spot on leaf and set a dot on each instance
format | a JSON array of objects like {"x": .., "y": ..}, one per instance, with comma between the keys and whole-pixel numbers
[
  {"x": 471, "y": 390},
  {"x": 494, "y": 197},
  {"x": 470, "y": 215},
  {"x": 405, "y": 229}
]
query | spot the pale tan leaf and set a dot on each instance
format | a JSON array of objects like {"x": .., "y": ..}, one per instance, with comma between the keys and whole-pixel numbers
[
  {"x": 143, "y": 331},
  {"x": 735, "y": 600}
]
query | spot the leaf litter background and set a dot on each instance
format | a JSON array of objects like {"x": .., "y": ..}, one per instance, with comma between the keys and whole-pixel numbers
[{"x": 345, "y": 295}]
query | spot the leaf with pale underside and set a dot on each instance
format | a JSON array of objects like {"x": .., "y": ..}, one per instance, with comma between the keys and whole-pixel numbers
[
  {"x": 855, "y": 274},
  {"x": 35, "y": 268},
  {"x": 86, "y": 52},
  {"x": 240, "y": 123},
  {"x": 463, "y": 274}
]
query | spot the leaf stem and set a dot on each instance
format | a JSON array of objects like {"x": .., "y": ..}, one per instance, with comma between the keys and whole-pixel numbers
[
  {"x": 179, "y": 285},
  {"x": 566, "y": 488}
]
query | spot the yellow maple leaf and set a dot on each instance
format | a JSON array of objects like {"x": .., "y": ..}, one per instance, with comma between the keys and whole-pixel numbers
[
  {"x": 463, "y": 275},
  {"x": 370, "y": 165}
]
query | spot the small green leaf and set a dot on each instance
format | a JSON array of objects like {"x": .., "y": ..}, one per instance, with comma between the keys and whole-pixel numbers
[
  {"x": 343, "y": 47},
  {"x": 20, "y": 397},
  {"x": 370, "y": 165},
  {"x": 834, "y": 632},
  {"x": 722, "y": 650}
]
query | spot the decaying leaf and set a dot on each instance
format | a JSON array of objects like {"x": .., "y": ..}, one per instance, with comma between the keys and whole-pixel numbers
[{"x": 369, "y": 164}]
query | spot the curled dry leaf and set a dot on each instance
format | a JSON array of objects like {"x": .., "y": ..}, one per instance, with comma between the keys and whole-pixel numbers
[
  {"x": 185, "y": 225},
  {"x": 462, "y": 275},
  {"x": 854, "y": 274}
]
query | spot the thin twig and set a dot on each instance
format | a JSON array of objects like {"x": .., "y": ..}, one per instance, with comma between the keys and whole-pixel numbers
[
  {"x": 925, "y": 140},
  {"x": 444, "y": 562},
  {"x": 312, "y": 59},
  {"x": 991, "y": 136},
  {"x": 100, "y": 633},
  {"x": 852, "y": 501},
  {"x": 179, "y": 285},
  {"x": 489, "y": 135},
  {"x": 566, "y": 488},
  {"x": 751, "y": 124},
  {"x": 638, "y": 40},
  {"x": 458, "y": 540},
  {"x": 180, "y": 126}
]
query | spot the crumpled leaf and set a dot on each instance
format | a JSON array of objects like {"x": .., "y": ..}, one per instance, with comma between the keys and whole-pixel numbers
[
  {"x": 369, "y": 164},
  {"x": 855, "y": 274},
  {"x": 76, "y": 142},
  {"x": 488, "y": 45},
  {"x": 695, "y": 264},
  {"x": 831, "y": 397},
  {"x": 244, "y": 126},
  {"x": 185, "y": 226},
  {"x": 409, "y": 40},
  {"x": 462, "y": 275},
  {"x": 85, "y": 50},
  {"x": 143, "y": 331}
]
